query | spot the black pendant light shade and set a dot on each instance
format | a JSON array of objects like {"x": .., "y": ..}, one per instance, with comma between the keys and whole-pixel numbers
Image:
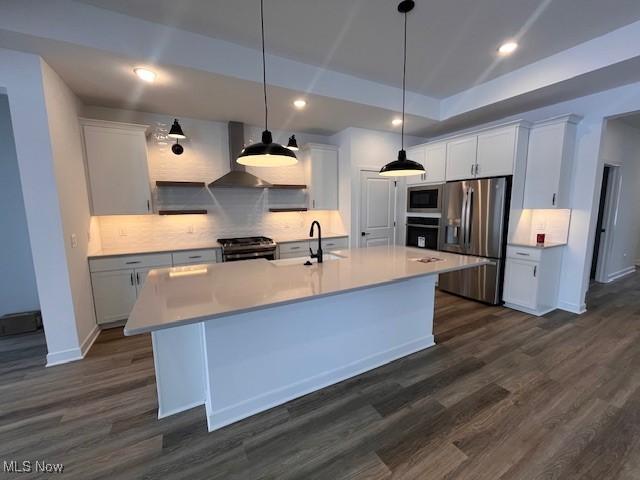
[
  {"x": 266, "y": 154},
  {"x": 293, "y": 143},
  {"x": 176, "y": 130},
  {"x": 403, "y": 167}
]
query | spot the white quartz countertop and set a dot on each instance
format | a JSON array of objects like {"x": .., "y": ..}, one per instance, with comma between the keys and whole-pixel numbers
[
  {"x": 535, "y": 245},
  {"x": 116, "y": 252},
  {"x": 182, "y": 295}
]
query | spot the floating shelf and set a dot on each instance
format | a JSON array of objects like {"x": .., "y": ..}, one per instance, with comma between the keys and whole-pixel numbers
[
  {"x": 165, "y": 183},
  {"x": 284, "y": 186},
  {"x": 182, "y": 212},
  {"x": 292, "y": 209}
]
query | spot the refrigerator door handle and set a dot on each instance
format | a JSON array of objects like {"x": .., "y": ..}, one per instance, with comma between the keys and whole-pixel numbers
[
  {"x": 469, "y": 219},
  {"x": 463, "y": 220}
]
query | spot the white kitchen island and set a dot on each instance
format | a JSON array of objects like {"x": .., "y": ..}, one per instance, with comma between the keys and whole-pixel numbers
[{"x": 242, "y": 337}]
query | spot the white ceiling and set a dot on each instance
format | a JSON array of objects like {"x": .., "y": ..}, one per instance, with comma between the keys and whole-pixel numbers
[
  {"x": 451, "y": 43},
  {"x": 103, "y": 79}
]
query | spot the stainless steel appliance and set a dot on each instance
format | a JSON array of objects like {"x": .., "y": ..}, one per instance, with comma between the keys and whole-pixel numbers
[
  {"x": 474, "y": 222},
  {"x": 247, "y": 248},
  {"x": 422, "y": 232},
  {"x": 424, "y": 199}
]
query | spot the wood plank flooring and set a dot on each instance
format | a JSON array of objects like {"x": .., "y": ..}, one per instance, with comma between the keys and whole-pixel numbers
[{"x": 502, "y": 396}]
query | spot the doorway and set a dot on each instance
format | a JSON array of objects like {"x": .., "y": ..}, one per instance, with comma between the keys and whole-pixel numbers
[
  {"x": 377, "y": 210},
  {"x": 600, "y": 230}
]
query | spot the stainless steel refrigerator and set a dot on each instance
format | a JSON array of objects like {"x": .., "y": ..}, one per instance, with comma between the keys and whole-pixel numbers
[{"x": 474, "y": 222}]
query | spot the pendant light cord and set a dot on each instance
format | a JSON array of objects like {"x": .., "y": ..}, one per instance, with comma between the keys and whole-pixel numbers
[
  {"x": 264, "y": 68},
  {"x": 404, "y": 74}
]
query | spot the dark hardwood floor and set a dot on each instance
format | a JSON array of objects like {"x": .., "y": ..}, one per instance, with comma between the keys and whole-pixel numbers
[{"x": 502, "y": 396}]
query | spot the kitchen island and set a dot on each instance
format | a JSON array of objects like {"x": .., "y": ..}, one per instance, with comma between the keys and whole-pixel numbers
[{"x": 242, "y": 337}]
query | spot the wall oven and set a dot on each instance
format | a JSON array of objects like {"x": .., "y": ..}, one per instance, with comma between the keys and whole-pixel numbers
[
  {"x": 422, "y": 232},
  {"x": 424, "y": 199}
]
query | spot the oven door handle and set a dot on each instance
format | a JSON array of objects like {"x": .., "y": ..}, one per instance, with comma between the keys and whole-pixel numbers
[{"x": 248, "y": 255}]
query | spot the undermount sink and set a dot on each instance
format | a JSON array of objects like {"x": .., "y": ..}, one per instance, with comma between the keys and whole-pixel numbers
[{"x": 302, "y": 260}]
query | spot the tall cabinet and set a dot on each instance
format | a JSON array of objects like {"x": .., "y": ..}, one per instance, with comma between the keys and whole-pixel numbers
[
  {"x": 116, "y": 155},
  {"x": 321, "y": 172}
]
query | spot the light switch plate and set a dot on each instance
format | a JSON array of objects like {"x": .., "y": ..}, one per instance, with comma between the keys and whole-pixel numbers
[
  {"x": 122, "y": 232},
  {"x": 74, "y": 240}
]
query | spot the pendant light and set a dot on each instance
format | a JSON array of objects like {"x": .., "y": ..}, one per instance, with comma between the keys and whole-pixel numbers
[
  {"x": 293, "y": 143},
  {"x": 403, "y": 167},
  {"x": 177, "y": 133},
  {"x": 266, "y": 153}
]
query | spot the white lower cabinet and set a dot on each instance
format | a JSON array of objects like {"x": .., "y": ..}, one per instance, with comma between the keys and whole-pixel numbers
[
  {"x": 117, "y": 281},
  {"x": 301, "y": 248},
  {"x": 114, "y": 294},
  {"x": 532, "y": 278}
]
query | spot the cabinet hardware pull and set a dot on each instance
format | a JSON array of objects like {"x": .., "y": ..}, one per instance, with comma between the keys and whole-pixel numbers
[
  {"x": 131, "y": 278},
  {"x": 295, "y": 248},
  {"x": 195, "y": 256},
  {"x": 523, "y": 254},
  {"x": 553, "y": 200},
  {"x": 132, "y": 263},
  {"x": 472, "y": 169},
  {"x": 314, "y": 204},
  {"x": 148, "y": 206},
  {"x": 138, "y": 278},
  {"x": 535, "y": 270}
]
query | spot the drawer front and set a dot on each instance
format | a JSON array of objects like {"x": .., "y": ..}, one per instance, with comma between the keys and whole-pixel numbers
[
  {"x": 335, "y": 243},
  {"x": 190, "y": 257},
  {"x": 130, "y": 261},
  {"x": 524, "y": 253},
  {"x": 301, "y": 248}
]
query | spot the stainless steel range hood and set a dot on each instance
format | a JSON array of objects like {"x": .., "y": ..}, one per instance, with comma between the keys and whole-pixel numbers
[{"x": 238, "y": 177}]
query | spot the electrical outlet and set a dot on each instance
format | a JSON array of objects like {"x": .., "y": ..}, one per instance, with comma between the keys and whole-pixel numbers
[
  {"x": 190, "y": 229},
  {"x": 74, "y": 240},
  {"x": 122, "y": 232}
]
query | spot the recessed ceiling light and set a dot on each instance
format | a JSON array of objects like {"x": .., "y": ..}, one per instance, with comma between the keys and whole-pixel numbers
[
  {"x": 507, "y": 48},
  {"x": 300, "y": 103},
  {"x": 396, "y": 122},
  {"x": 145, "y": 74}
]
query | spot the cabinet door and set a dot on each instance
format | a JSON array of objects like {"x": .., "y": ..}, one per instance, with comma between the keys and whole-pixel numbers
[
  {"x": 521, "y": 283},
  {"x": 544, "y": 166},
  {"x": 435, "y": 162},
  {"x": 114, "y": 294},
  {"x": 416, "y": 154},
  {"x": 323, "y": 181},
  {"x": 496, "y": 152},
  {"x": 118, "y": 170},
  {"x": 461, "y": 158}
]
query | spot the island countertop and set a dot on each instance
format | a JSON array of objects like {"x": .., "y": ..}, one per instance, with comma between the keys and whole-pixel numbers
[{"x": 182, "y": 295}]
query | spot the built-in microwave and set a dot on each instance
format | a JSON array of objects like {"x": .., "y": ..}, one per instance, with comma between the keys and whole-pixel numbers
[{"x": 424, "y": 199}]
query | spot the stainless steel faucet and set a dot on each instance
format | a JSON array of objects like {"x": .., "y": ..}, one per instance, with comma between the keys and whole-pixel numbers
[{"x": 318, "y": 253}]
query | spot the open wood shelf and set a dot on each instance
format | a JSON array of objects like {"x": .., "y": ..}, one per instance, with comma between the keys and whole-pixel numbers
[
  {"x": 292, "y": 209},
  {"x": 182, "y": 212},
  {"x": 166, "y": 183},
  {"x": 285, "y": 186}
]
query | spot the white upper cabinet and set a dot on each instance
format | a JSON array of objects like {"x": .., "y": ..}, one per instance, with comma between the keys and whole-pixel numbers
[
  {"x": 117, "y": 165},
  {"x": 461, "y": 158},
  {"x": 321, "y": 168},
  {"x": 417, "y": 154},
  {"x": 549, "y": 163},
  {"x": 435, "y": 162},
  {"x": 496, "y": 152}
]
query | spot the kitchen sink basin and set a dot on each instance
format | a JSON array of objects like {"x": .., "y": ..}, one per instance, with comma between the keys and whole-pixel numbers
[{"x": 327, "y": 257}]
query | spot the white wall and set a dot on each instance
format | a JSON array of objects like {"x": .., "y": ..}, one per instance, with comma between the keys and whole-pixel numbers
[
  {"x": 621, "y": 147},
  {"x": 18, "y": 291},
  {"x": 63, "y": 110},
  {"x": 363, "y": 149},
  {"x": 22, "y": 76},
  {"x": 232, "y": 212}
]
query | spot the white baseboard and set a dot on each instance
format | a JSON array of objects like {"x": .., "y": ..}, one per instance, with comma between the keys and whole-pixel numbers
[
  {"x": 226, "y": 416},
  {"x": 530, "y": 311},
  {"x": 73, "y": 354},
  {"x": 182, "y": 408},
  {"x": 620, "y": 273},
  {"x": 572, "y": 307}
]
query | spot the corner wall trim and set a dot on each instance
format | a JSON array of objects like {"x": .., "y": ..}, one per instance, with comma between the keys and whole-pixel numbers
[
  {"x": 620, "y": 273},
  {"x": 73, "y": 354}
]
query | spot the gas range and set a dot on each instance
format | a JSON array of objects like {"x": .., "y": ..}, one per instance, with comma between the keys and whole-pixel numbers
[{"x": 247, "y": 248}]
